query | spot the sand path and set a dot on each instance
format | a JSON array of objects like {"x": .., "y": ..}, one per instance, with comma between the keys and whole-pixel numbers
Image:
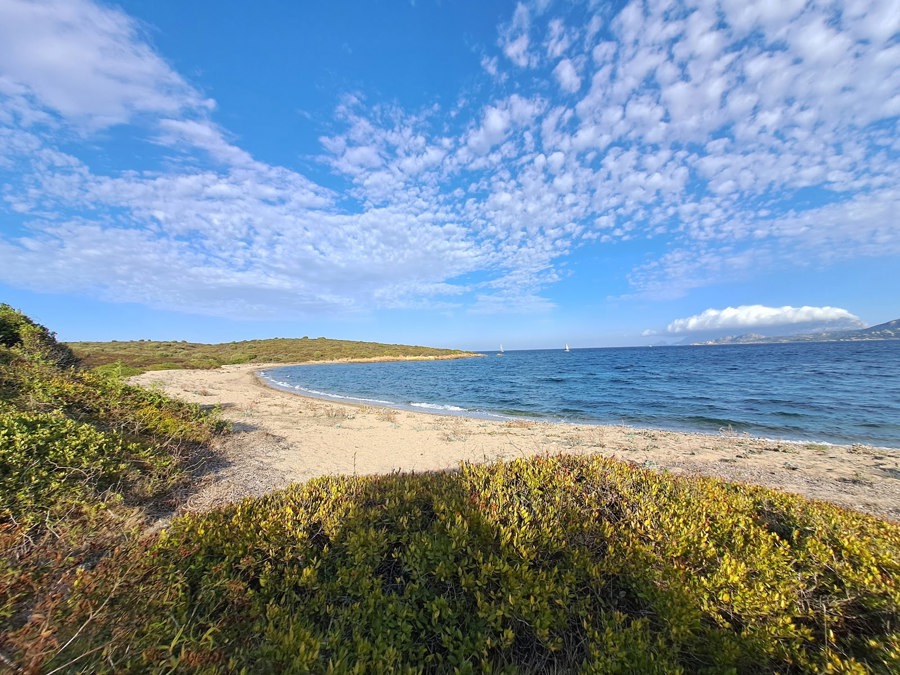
[{"x": 281, "y": 437}]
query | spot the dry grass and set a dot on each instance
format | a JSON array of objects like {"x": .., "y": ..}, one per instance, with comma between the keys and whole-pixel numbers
[
  {"x": 387, "y": 415},
  {"x": 454, "y": 430},
  {"x": 521, "y": 424}
]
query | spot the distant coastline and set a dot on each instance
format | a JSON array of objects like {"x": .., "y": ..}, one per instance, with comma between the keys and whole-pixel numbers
[
  {"x": 883, "y": 331},
  {"x": 135, "y": 356}
]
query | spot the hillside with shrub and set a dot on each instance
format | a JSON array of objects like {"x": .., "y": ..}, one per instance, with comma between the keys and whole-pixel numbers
[
  {"x": 140, "y": 355},
  {"x": 86, "y": 462},
  {"x": 548, "y": 564}
]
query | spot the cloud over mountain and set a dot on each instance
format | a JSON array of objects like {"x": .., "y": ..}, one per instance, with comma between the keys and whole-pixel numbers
[{"x": 759, "y": 316}]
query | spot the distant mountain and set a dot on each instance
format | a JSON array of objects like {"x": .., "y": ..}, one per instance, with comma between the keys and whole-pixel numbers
[{"x": 883, "y": 331}]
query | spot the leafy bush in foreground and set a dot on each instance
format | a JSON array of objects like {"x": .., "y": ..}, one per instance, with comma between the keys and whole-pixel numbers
[
  {"x": 79, "y": 454},
  {"x": 48, "y": 460},
  {"x": 551, "y": 563},
  {"x": 105, "y": 402}
]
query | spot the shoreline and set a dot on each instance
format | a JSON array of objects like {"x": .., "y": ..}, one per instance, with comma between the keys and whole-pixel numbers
[
  {"x": 454, "y": 411},
  {"x": 284, "y": 436}
]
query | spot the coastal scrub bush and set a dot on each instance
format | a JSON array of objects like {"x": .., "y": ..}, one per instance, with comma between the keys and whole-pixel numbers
[
  {"x": 118, "y": 370},
  {"x": 556, "y": 564},
  {"x": 106, "y": 402},
  {"x": 81, "y": 456},
  {"x": 48, "y": 461},
  {"x": 25, "y": 338}
]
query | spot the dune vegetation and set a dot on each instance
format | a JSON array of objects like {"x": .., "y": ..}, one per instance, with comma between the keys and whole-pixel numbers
[
  {"x": 548, "y": 564},
  {"x": 131, "y": 358}
]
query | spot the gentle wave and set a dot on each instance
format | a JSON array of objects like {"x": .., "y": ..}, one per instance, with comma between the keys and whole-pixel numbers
[
  {"x": 437, "y": 406},
  {"x": 324, "y": 394}
]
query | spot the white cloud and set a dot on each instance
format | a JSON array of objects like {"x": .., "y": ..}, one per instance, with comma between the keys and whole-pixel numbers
[
  {"x": 490, "y": 65},
  {"x": 219, "y": 249},
  {"x": 204, "y": 135},
  {"x": 732, "y": 138},
  {"x": 567, "y": 76},
  {"x": 492, "y": 131},
  {"x": 88, "y": 62},
  {"x": 559, "y": 39},
  {"x": 756, "y": 316},
  {"x": 515, "y": 40}
]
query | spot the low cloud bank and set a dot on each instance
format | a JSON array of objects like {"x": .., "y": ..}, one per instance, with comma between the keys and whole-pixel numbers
[{"x": 755, "y": 316}]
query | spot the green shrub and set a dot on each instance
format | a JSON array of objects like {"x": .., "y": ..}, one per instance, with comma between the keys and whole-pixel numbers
[
  {"x": 117, "y": 370},
  {"x": 47, "y": 460},
  {"x": 108, "y": 403},
  {"x": 548, "y": 564},
  {"x": 28, "y": 339},
  {"x": 82, "y": 456}
]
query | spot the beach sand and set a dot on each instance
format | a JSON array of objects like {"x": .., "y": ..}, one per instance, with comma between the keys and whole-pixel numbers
[{"x": 281, "y": 437}]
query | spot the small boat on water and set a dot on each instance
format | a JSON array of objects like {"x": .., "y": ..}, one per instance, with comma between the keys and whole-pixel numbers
[
  {"x": 567, "y": 348},
  {"x": 500, "y": 353}
]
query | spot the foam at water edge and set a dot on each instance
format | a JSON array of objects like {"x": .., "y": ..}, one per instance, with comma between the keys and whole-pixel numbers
[
  {"x": 323, "y": 394},
  {"x": 435, "y": 406}
]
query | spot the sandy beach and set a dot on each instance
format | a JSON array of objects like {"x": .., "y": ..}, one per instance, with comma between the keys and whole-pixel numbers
[{"x": 281, "y": 437}]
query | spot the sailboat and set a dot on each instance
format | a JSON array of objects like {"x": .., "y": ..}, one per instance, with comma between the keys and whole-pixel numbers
[
  {"x": 500, "y": 353},
  {"x": 567, "y": 348}
]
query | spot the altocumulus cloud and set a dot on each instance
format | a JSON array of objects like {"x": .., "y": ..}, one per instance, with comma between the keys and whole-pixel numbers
[
  {"x": 756, "y": 316},
  {"x": 699, "y": 126}
]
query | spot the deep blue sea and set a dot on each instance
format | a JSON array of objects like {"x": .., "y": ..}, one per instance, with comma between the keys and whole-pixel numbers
[{"x": 836, "y": 392}]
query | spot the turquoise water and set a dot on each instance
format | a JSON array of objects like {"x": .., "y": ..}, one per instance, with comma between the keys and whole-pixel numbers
[{"x": 837, "y": 392}]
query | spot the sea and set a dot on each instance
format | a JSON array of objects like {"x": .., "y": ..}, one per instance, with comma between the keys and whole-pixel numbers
[{"x": 827, "y": 392}]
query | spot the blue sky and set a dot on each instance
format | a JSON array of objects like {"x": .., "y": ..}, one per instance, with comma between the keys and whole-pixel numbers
[{"x": 450, "y": 173}]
